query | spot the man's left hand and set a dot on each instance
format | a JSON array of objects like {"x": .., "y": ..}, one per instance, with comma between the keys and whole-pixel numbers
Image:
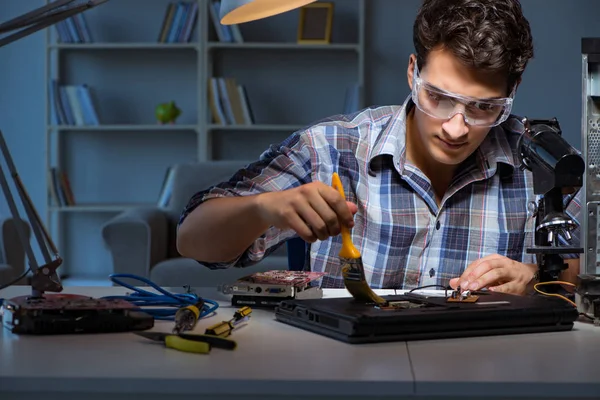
[{"x": 496, "y": 273}]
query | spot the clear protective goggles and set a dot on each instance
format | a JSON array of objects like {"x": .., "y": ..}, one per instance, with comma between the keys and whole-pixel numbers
[{"x": 442, "y": 104}]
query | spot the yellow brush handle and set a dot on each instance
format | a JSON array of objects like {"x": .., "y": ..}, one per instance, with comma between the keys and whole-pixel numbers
[
  {"x": 189, "y": 346},
  {"x": 348, "y": 250}
]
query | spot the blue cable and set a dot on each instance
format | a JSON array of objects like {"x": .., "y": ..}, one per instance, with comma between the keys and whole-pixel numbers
[{"x": 172, "y": 301}]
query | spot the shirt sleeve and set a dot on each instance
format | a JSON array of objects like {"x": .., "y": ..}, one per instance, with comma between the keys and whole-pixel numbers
[{"x": 281, "y": 167}]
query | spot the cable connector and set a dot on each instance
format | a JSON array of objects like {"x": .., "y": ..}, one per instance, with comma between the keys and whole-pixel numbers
[
  {"x": 187, "y": 317},
  {"x": 150, "y": 302}
]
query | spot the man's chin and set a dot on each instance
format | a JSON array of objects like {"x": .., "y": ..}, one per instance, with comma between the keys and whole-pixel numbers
[{"x": 451, "y": 160}]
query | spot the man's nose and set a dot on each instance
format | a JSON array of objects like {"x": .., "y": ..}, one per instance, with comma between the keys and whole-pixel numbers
[{"x": 456, "y": 127}]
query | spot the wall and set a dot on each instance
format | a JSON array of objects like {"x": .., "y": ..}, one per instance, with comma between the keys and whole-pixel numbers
[{"x": 551, "y": 87}]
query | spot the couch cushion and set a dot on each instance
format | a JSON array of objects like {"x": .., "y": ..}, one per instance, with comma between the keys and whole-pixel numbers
[
  {"x": 190, "y": 178},
  {"x": 178, "y": 272},
  {"x": 187, "y": 180}
]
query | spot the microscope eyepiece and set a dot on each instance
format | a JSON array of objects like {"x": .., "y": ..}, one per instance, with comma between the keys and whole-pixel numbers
[{"x": 555, "y": 163}]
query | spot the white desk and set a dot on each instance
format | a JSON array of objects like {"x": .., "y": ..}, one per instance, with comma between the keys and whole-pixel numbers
[{"x": 274, "y": 360}]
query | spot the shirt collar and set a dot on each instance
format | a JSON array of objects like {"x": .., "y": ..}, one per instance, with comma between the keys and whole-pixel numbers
[
  {"x": 392, "y": 138},
  {"x": 494, "y": 154}
]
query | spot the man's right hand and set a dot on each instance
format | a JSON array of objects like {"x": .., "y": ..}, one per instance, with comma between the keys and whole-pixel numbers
[{"x": 314, "y": 210}]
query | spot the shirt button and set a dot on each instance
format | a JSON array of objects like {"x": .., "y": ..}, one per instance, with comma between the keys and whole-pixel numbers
[
  {"x": 437, "y": 225},
  {"x": 431, "y": 272}
]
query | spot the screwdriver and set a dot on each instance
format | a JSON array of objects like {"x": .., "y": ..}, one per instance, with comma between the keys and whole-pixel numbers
[
  {"x": 224, "y": 328},
  {"x": 187, "y": 317}
]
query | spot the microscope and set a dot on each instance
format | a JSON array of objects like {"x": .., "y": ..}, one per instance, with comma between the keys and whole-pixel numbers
[{"x": 557, "y": 170}]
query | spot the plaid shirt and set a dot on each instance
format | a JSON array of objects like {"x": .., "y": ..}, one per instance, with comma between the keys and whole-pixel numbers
[{"x": 406, "y": 239}]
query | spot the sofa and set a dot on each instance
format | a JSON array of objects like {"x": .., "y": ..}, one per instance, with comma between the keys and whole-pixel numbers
[
  {"x": 12, "y": 253},
  {"x": 142, "y": 241}
]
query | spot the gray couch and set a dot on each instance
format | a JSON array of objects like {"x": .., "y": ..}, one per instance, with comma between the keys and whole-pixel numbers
[
  {"x": 12, "y": 254},
  {"x": 142, "y": 241}
]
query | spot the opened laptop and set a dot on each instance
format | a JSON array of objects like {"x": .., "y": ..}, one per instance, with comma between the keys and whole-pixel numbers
[{"x": 418, "y": 315}]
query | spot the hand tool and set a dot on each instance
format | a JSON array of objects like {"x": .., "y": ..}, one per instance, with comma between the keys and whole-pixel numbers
[
  {"x": 190, "y": 343},
  {"x": 351, "y": 261},
  {"x": 224, "y": 328}
]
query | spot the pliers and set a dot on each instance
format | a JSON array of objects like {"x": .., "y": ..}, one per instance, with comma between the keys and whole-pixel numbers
[{"x": 190, "y": 343}]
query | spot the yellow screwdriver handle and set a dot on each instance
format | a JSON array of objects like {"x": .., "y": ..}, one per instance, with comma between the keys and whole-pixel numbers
[
  {"x": 186, "y": 345},
  {"x": 348, "y": 250},
  {"x": 222, "y": 329}
]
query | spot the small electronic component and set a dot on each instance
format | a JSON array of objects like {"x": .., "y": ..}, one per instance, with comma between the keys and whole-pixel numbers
[
  {"x": 460, "y": 296},
  {"x": 274, "y": 283},
  {"x": 72, "y": 313},
  {"x": 400, "y": 305},
  {"x": 267, "y": 289}
]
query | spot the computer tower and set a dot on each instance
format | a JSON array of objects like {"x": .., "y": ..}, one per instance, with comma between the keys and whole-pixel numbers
[{"x": 590, "y": 126}]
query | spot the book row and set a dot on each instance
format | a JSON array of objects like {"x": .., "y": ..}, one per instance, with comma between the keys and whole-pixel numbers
[
  {"x": 72, "y": 105},
  {"x": 228, "y": 102},
  {"x": 179, "y": 22},
  {"x": 74, "y": 30},
  {"x": 225, "y": 33},
  {"x": 60, "y": 188}
]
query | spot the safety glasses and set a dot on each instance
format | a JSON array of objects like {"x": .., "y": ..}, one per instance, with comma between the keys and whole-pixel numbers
[{"x": 442, "y": 104}]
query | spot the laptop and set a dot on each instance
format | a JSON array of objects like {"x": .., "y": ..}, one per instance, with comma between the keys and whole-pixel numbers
[{"x": 419, "y": 316}]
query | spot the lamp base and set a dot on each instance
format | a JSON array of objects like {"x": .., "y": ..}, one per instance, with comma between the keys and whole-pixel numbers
[{"x": 70, "y": 313}]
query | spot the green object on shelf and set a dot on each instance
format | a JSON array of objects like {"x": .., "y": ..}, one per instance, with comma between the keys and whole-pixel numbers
[{"x": 167, "y": 113}]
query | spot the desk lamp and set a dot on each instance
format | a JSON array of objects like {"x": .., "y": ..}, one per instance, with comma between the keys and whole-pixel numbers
[
  {"x": 44, "y": 277},
  {"x": 238, "y": 11}
]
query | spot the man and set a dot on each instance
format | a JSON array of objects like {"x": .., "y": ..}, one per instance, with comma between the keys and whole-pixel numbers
[{"x": 434, "y": 193}]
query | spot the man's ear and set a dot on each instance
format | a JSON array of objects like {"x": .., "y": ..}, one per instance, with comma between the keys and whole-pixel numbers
[
  {"x": 516, "y": 86},
  {"x": 412, "y": 59}
]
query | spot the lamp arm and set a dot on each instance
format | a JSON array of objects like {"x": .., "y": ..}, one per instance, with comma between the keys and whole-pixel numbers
[
  {"x": 25, "y": 19},
  {"x": 43, "y": 17},
  {"x": 44, "y": 277}
]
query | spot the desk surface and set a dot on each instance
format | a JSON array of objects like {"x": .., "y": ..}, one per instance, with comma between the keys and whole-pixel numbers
[{"x": 274, "y": 359}]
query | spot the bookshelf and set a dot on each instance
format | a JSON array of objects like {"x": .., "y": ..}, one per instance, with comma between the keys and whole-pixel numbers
[{"x": 119, "y": 164}]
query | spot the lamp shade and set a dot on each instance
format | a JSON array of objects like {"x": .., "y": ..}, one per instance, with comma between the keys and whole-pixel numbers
[{"x": 238, "y": 11}]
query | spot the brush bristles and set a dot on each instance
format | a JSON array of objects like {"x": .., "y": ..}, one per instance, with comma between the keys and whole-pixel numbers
[{"x": 355, "y": 282}]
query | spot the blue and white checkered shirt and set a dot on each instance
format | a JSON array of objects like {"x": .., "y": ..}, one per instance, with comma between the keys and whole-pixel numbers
[{"x": 405, "y": 238}]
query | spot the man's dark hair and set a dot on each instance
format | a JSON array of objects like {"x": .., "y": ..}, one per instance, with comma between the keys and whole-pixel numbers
[{"x": 490, "y": 35}]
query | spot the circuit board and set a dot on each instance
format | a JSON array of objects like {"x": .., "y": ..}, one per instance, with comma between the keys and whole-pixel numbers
[
  {"x": 459, "y": 296},
  {"x": 69, "y": 313},
  {"x": 276, "y": 283}
]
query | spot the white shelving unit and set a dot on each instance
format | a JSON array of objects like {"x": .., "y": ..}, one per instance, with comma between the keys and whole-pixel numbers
[{"x": 206, "y": 51}]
